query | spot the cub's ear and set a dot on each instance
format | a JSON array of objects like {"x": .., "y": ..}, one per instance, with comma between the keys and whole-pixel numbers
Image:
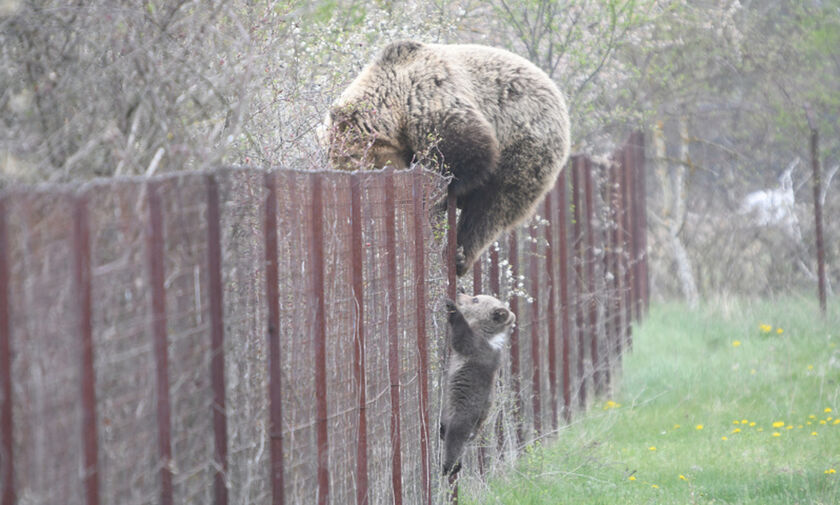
[{"x": 500, "y": 315}]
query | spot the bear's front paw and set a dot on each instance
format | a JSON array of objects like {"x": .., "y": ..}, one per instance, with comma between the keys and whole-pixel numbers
[
  {"x": 461, "y": 266},
  {"x": 450, "y": 307}
]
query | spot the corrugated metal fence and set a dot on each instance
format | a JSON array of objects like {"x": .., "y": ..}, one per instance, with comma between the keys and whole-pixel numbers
[{"x": 242, "y": 336}]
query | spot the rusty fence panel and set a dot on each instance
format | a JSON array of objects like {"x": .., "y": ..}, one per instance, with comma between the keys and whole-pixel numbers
[{"x": 136, "y": 313}]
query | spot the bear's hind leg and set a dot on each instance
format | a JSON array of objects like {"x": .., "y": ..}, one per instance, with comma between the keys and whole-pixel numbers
[
  {"x": 486, "y": 215},
  {"x": 457, "y": 436}
]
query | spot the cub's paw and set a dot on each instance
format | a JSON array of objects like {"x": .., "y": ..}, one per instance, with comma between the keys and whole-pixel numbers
[
  {"x": 451, "y": 472},
  {"x": 461, "y": 266},
  {"x": 450, "y": 306}
]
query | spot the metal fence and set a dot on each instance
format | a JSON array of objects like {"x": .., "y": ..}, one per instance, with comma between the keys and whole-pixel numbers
[{"x": 250, "y": 337}]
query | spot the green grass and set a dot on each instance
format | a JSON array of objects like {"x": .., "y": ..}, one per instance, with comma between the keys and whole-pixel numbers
[{"x": 710, "y": 367}]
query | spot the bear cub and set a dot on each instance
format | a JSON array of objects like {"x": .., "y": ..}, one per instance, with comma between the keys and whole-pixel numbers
[{"x": 480, "y": 325}]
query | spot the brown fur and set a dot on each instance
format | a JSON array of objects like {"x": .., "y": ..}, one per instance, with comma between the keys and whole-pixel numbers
[
  {"x": 498, "y": 123},
  {"x": 479, "y": 326}
]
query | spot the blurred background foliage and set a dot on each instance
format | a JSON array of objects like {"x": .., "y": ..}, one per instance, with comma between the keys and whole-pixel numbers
[{"x": 724, "y": 90}]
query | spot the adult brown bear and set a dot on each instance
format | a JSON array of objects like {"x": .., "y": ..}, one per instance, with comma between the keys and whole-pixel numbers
[{"x": 495, "y": 121}]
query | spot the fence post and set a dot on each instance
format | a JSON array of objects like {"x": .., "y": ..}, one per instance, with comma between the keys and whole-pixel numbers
[
  {"x": 317, "y": 293},
  {"x": 217, "y": 336},
  {"x": 495, "y": 290},
  {"x": 154, "y": 249},
  {"x": 626, "y": 250},
  {"x": 451, "y": 247},
  {"x": 818, "y": 219},
  {"x": 563, "y": 264},
  {"x": 592, "y": 302},
  {"x": 580, "y": 324},
  {"x": 359, "y": 347},
  {"x": 273, "y": 327},
  {"x": 393, "y": 340},
  {"x": 420, "y": 313},
  {"x": 606, "y": 265},
  {"x": 535, "y": 333},
  {"x": 451, "y": 293},
  {"x": 615, "y": 256},
  {"x": 552, "y": 321},
  {"x": 477, "y": 289},
  {"x": 7, "y": 471},
  {"x": 515, "y": 378},
  {"x": 82, "y": 288},
  {"x": 641, "y": 185},
  {"x": 635, "y": 224}
]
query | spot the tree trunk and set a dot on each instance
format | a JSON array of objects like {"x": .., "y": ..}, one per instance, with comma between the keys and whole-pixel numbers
[{"x": 674, "y": 189}]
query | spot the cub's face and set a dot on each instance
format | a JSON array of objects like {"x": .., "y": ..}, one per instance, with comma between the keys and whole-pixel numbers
[{"x": 486, "y": 314}]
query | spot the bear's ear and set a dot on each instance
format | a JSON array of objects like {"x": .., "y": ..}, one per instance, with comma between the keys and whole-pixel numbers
[{"x": 399, "y": 52}]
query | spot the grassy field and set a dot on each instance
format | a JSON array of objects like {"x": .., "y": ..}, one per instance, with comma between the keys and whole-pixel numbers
[{"x": 735, "y": 403}]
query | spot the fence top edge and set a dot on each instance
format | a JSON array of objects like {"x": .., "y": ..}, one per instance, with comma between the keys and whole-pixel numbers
[{"x": 81, "y": 188}]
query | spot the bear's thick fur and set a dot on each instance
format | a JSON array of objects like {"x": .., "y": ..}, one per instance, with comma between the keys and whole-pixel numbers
[
  {"x": 479, "y": 327},
  {"x": 496, "y": 122}
]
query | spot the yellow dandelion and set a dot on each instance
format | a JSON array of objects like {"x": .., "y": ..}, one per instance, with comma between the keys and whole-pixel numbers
[
  {"x": 778, "y": 424},
  {"x": 829, "y": 418},
  {"x": 779, "y": 331},
  {"x": 736, "y": 343},
  {"x": 777, "y": 434},
  {"x": 812, "y": 416},
  {"x": 810, "y": 367},
  {"x": 744, "y": 421},
  {"x": 813, "y": 433},
  {"x": 611, "y": 405},
  {"x": 654, "y": 486},
  {"x": 676, "y": 426},
  {"x": 752, "y": 371},
  {"x": 830, "y": 471},
  {"x": 827, "y": 409},
  {"x": 822, "y": 421},
  {"x": 699, "y": 427},
  {"x": 682, "y": 477},
  {"x": 789, "y": 427},
  {"x": 632, "y": 477},
  {"x": 736, "y": 422},
  {"x": 800, "y": 426},
  {"x": 752, "y": 423},
  {"x": 836, "y": 421},
  {"x": 765, "y": 328},
  {"x": 760, "y": 429},
  {"x": 652, "y": 448},
  {"x": 736, "y": 430},
  {"x": 724, "y": 438},
  {"x": 808, "y": 423}
]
